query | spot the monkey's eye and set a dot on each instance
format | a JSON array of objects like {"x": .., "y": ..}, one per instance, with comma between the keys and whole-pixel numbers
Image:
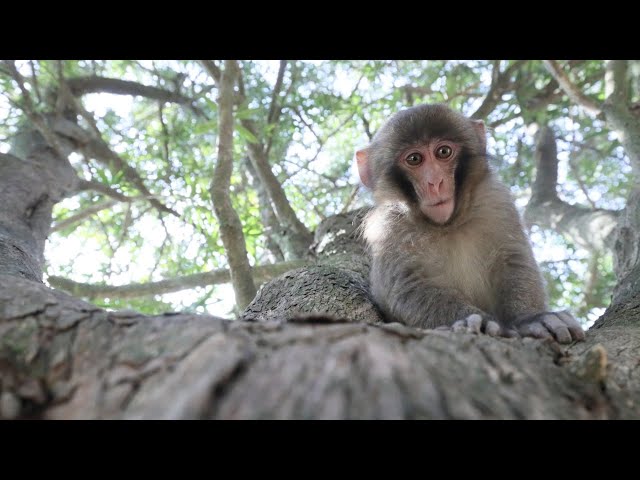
[
  {"x": 414, "y": 159},
  {"x": 443, "y": 152}
]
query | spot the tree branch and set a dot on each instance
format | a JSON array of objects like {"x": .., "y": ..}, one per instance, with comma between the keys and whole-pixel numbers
[
  {"x": 590, "y": 228},
  {"x": 261, "y": 274},
  {"x": 80, "y": 86},
  {"x": 574, "y": 94},
  {"x": 619, "y": 114},
  {"x": 85, "y": 185},
  {"x": 230, "y": 225},
  {"x": 298, "y": 237},
  {"x": 77, "y": 217},
  {"x": 616, "y": 84},
  {"x": 35, "y": 117},
  {"x": 96, "y": 147},
  {"x": 212, "y": 69},
  {"x": 500, "y": 83},
  {"x": 274, "y": 107}
]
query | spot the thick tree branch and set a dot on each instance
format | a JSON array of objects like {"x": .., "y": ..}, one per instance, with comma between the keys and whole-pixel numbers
[
  {"x": 573, "y": 92},
  {"x": 546, "y": 158},
  {"x": 616, "y": 81},
  {"x": 619, "y": 114},
  {"x": 261, "y": 274},
  {"x": 80, "y": 86},
  {"x": 64, "y": 358},
  {"x": 230, "y": 225},
  {"x": 589, "y": 228},
  {"x": 35, "y": 117}
]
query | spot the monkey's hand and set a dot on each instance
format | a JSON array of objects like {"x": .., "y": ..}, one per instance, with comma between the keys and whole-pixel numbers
[
  {"x": 482, "y": 323},
  {"x": 558, "y": 325}
]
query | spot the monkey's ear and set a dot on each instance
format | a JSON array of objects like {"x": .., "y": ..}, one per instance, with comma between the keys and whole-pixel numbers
[
  {"x": 478, "y": 126},
  {"x": 364, "y": 170}
]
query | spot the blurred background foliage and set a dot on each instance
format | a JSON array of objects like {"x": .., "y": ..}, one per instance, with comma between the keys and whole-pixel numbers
[{"x": 327, "y": 110}]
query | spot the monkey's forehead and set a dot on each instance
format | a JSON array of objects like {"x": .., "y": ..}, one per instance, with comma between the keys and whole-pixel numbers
[{"x": 423, "y": 123}]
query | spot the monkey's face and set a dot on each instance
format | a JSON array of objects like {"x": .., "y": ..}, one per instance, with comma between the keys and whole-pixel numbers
[
  {"x": 430, "y": 169},
  {"x": 425, "y": 157}
]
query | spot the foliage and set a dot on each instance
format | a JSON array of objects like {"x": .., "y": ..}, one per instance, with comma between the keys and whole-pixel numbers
[{"x": 327, "y": 109}]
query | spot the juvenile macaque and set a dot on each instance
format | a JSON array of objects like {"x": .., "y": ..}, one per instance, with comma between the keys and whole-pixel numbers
[{"x": 447, "y": 242}]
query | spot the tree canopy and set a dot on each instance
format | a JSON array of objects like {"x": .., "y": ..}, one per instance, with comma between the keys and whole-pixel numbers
[{"x": 144, "y": 223}]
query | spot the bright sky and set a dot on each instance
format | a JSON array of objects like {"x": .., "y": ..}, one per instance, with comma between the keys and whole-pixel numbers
[{"x": 84, "y": 252}]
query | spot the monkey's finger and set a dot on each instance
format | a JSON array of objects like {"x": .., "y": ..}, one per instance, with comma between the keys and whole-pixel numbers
[
  {"x": 572, "y": 324},
  {"x": 474, "y": 323},
  {"x": 557, "y": 327},
  {"x": 459, "y": 326},
  {"x": 492, "y": 329},
  {"x": 510, "y": 333},
  {"x": 535, "y": 329}
]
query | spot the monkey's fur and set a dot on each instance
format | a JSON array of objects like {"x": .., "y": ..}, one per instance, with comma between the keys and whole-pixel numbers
[{"x": 428, "y": 273}]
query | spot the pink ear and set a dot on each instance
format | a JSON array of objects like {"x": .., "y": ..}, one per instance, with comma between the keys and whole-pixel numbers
[
  {"x": 478, "y": 126},
  {"x": 362, "y": 158}
]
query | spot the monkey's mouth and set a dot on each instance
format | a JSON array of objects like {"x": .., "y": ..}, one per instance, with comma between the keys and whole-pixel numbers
[
  {"x": 439, "y": 211},
  {"x": 438, "y": 203}
]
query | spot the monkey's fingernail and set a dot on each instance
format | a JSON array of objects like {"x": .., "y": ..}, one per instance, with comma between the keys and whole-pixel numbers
[
  {"x": 493, "y": 329},
  {"x": 474, "y": 322},
  {"x": 511, "y": 333}
]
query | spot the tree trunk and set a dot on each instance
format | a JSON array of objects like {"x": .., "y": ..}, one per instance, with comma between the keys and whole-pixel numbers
[{"x": 590, "y": 228}]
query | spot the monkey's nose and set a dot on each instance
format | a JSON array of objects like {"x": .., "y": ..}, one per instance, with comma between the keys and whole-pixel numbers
[{"x": 435, "y": 186}]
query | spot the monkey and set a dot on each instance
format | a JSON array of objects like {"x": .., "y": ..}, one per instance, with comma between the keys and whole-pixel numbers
[{"x": 447, "y": 243}]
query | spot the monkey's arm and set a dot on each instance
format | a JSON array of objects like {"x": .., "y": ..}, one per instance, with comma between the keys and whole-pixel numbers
[
  {"x": 405, "y": 296},
  {"x": 522, "y": 303}
]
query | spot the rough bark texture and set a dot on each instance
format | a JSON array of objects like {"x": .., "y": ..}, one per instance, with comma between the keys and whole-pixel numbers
[
  {"x": 29, "y": 188},
  {"x": 627, "y": 256},
  {"x": 63, "y": 358},
  {"x": 337, "y": 285}
]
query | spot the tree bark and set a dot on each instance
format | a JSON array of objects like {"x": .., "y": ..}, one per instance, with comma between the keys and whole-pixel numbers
[
  {"x": 296, "y": 236},
  {"x": 63, "y": 358},
  {"x": 261, "y": 274},
  {"x": 230, "y": 225},
  {"x": 592, "y": 229}
]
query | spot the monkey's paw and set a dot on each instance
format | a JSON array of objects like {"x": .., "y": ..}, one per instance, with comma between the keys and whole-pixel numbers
[
  {"x": 558, "y": 325},
  {"x": 476, "y": 323}
]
